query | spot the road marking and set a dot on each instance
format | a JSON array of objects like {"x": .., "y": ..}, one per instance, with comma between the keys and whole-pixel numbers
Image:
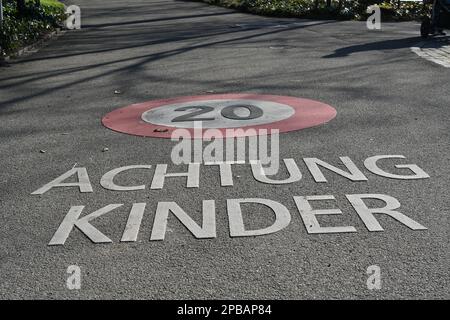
[
  {"x": 220, "y": 116},
  {"x": 207, "y": 228},
  {"x": 159, "y": 118},
  {"x": 434, "y": 50}
]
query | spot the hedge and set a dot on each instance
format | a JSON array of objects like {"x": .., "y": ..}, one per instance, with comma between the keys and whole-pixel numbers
[{"x": 21, "y": 29}]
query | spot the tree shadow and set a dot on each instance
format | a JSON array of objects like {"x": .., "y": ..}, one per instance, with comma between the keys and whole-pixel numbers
[
  {"x": 394, "y": 44},
  {"x": 133, "y": 22},
  {"x": 135, "y": 38}
]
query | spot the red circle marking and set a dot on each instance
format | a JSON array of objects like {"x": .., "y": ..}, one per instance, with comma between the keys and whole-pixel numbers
[{"x": 308, "y": 113}]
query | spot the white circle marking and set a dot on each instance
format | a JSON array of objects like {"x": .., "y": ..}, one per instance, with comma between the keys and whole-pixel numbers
[{"x": 272, "y": 112}]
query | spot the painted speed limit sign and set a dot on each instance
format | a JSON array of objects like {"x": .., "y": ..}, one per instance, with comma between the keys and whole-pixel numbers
[{"x": 158, "y": 118}]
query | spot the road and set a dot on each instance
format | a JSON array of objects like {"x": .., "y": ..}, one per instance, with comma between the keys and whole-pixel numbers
[{"x": 389, "y": 101}]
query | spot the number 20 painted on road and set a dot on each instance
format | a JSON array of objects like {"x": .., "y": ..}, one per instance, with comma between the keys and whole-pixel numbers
[{"x": 159, "y": 118}]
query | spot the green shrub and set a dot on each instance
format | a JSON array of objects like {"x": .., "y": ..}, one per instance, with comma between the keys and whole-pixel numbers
[
  {"x": 20, "y": 30},
  {"x": 344, "y": 9}
]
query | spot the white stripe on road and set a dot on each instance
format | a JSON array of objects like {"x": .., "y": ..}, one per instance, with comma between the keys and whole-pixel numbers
[{"x": 434, "y": 51}]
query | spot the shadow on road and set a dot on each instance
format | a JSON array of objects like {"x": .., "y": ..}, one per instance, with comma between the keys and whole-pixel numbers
[
  {"x": 178, "y": 38},
  {"x": 124, "y": 23},
  {"x": 394, "y": 44},
  {"x": 437, "y": 43}
]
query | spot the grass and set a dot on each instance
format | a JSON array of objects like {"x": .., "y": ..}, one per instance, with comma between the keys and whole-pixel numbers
[{"x": 52, "y": 3}]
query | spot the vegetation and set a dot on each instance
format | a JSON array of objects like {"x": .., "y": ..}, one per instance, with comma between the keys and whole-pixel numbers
[
  {"x": 27, "y": 21},
  {"x": 328, "y": 9}
]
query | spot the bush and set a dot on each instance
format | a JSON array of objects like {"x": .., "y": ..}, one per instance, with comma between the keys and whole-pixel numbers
[
  {"x": 19, "y": 30},
  {"x": 343, "y": 9}
]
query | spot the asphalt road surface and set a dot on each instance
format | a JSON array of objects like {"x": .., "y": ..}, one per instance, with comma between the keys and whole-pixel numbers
[{"x": 389, "y": 101}]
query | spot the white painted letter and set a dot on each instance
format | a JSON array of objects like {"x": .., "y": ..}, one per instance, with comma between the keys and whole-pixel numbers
[
  {"x": 193, "y": 176},
  {"x": 134, "y": 222},
  {"x": 354, "y": 173},
  {"x": 107, "y": 181},
  {"x": 237, "y": 228},
  {"x": 208, "y": 230},
  {"x": 83, "y": 181},
  {"x": 226, "y": 174},
  {"x": 371, "y": 165},
  {"x": 294, "y": 172},
  {"x": 309, "y": 215},
  {"x": 392, "y": 204},
  {"x": 72, "y": 219}
]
